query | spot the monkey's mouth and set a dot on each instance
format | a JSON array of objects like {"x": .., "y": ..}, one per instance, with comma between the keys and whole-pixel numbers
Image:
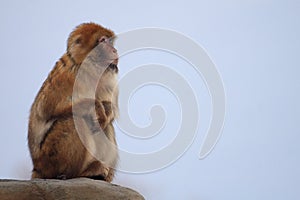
[{"x": 113, "y": 67}]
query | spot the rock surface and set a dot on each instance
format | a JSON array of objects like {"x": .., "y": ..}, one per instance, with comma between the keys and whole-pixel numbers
[{"x": 51, "y": 189}]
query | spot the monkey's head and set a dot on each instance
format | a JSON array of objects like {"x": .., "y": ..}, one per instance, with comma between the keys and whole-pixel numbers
[{"x": 86, "y": 37}]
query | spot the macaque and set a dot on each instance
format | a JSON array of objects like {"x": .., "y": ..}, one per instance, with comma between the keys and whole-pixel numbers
[{"x": 70, "y": 131}]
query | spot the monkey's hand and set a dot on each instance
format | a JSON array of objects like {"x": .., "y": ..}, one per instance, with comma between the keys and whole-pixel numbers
[
  {"x": 94, "y": 111},
  {"x": 109, "y": 110}
]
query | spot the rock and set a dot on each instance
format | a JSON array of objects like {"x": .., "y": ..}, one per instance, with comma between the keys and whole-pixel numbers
[{"x": 51, "y": 189}]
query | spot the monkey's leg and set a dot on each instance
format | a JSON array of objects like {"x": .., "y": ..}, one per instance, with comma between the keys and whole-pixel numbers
[{"x": 62, "y": 152}]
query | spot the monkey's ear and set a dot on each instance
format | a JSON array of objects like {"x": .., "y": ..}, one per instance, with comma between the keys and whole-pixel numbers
[{"x": 78, "y": 41}]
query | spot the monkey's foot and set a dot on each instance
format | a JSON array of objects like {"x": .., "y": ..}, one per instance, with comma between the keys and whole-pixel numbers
[
  {"x": 96, "y": 170},
  {"x": 108, "y": 178},
  {"x": 110, "y": 175}
]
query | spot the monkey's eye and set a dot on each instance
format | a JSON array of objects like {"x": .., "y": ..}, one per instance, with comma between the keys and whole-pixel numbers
[
  {"x": 102, "y": 39},
  {"x": 105, "y": 39}
]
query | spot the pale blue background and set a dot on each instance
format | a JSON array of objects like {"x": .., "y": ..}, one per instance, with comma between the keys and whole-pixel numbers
[{"x": 255, "y": 46}]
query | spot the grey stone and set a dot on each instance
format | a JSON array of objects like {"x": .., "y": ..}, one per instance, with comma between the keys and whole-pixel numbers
[{"x": 51, "y": 189}]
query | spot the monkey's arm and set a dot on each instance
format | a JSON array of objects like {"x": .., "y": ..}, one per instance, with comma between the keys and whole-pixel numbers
[{"x": 90, "y": 109}]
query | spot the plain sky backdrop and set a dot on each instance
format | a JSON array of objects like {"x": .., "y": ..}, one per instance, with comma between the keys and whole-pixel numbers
[{"x": 255, "y": 45}]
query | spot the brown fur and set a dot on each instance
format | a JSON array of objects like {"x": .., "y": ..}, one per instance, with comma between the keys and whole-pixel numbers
[{"x": 56, "y": 148}]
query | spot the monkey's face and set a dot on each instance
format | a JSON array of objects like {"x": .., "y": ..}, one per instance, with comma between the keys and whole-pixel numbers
[{"x": 88, "y": 36}]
